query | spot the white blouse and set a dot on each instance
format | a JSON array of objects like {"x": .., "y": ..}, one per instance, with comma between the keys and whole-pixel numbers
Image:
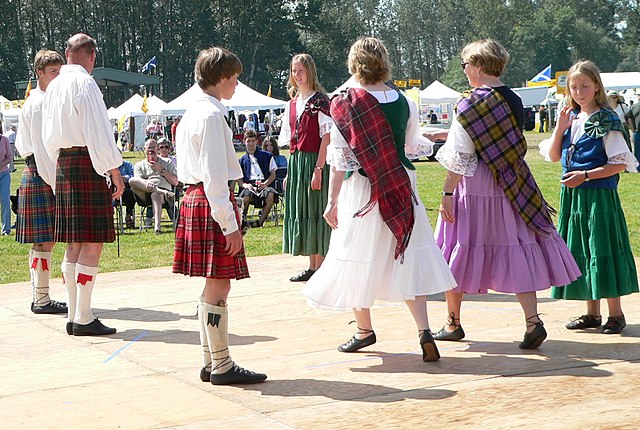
[
  {"x": 205, "y": 153},
  {"x": 324, "y": 121},
  {"x": 29, "y": 137},
  {"x": 341, "y": 156},
  {"x": 614, "y": 144},
  {"x": 458, "y": 154},
  {"x": 74, "y": 114}
]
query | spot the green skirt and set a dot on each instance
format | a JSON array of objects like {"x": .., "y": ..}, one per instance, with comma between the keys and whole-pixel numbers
[
  {"x": 592, "y": 223},
  {"x": 305, "y": 230}
]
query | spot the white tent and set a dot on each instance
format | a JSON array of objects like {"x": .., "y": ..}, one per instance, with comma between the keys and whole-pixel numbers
[
  {"x": 244, "y": 98},
  {"x": 438, "y": 93},
  {"x": 620, "y": 80},
  {"x": 112, "y": 113},
  {"x": 534, "y": 96},
  {"x": 133, "y": 106},
  {"x": 10, "y": 117}
]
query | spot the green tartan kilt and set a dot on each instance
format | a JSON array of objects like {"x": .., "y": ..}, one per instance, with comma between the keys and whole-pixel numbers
[
  {"x": 305, "y": 230},
  {"x": 592, "y": 223}
]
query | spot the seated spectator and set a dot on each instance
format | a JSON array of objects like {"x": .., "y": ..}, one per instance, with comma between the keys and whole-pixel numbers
[
  {"x": 259, "y": 172},
  {"x": 152, "y": 181},
  {"x": 270, "y": 144},
  {"x": 128, "y": 199},
  {"x": 249, "y": 124},
  {"x": 166, "y": 150}
]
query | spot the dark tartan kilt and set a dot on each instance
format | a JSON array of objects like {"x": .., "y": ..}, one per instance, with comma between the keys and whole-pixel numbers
[
  {"x": 36, "y": 207},
  {"x": 200, "y": 243},
  {"x": 84, "y": 210}
]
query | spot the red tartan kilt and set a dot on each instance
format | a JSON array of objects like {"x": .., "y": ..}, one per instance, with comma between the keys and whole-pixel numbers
[
  {"x": 199, "y": 249},
  {"x": 84, "y": 210},
  {"x": 36, "y": 207}
]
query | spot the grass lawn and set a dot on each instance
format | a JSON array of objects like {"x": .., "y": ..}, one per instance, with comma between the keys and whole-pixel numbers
[{"x": 143, "y": 249}]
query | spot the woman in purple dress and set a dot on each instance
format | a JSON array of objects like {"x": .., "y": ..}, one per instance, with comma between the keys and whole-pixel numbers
[{"x": 495, "y": 228}]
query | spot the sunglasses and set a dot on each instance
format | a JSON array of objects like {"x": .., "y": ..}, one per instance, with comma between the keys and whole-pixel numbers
[
  {"x": 464, "y": 64},
  {"x": 163, "y": 147}
]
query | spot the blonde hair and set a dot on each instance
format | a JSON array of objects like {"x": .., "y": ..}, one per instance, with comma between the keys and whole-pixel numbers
[
  {"x": 489, "y": 54},
  {"x": 589, "y": 70},
  {"x": 215, "y": 64},
  {"x": 45, "y": 58},
  {"x": 368, "y": 61},
  {"x": 312, "y": 75}
]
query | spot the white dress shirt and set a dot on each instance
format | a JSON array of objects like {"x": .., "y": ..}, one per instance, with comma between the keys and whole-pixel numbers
[
  {"x": 74, "y": 114},
  {"x": 205, "y": 153},
  {"x": 29, "y": 139}
]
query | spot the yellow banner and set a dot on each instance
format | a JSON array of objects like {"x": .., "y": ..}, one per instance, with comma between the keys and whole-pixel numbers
[
  {"x": 550, "y": 83},
  {"x": 561, "y": 82},
  {"x": 415, "y": 82},
  {"x": 401, "y": 84}
]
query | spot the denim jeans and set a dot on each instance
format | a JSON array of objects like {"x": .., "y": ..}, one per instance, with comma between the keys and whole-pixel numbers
[{"x": 5, "y": 201}]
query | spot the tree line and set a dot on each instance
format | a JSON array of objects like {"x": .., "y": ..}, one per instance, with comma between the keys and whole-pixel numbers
[{"x": 424, "y": 37}]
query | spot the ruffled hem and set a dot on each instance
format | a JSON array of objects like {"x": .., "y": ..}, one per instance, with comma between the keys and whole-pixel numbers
[{"x": 360, "y": 267}]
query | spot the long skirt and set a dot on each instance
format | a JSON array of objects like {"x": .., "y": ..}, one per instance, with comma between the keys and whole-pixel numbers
[
  {"x": 36, "y": 207},
  {"x": 200, "y": 243},
  {"x": 360, "y": 266},
  {"x": 490, "y": 247},
  {"x": 305, "y": 230},
  {"x": 593, "y": 224},
  {"x": 84, "y": 209}
]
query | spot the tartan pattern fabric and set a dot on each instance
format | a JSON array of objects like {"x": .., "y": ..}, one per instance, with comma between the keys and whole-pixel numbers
[
  {"x": 84, "y": 210},
  {"x": 489, "y": 121},
  {"x": 364, "y": 126},
  {"x": 36, "y": 207},
  {"x": 199, "y": 246}
]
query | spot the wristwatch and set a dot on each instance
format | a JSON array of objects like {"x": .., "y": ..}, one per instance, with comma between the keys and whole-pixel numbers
[{"x": 586, "y": 176}]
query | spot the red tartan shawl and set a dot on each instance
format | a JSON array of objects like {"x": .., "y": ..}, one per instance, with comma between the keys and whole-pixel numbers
[{"x": 364, "y": 126}]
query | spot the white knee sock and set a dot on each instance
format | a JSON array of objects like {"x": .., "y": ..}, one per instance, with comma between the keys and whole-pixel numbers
[
  {"x": 69, "y": 278},
  {"x": 216, "y": 324},
  {"x": 85, "y": 279},
  {"x": 40, "y": 263},
  {"x": 204, "y": 342}
]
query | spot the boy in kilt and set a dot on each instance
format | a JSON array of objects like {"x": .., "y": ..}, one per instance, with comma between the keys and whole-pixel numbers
[
  {"x": 79, "y": 136},
  {"x": 36, "y": 204},
  {"x": 208, "y": 238}
]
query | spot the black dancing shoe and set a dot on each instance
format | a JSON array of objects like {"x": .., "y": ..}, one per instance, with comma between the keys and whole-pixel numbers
[
  {"x": 205, "y": 375},
  {"x": 354, "y": 344},
  {"x": 534, "y": 339},
  {"x": 52, "y": 307},
  {"x": 456, "y": 334},
  {"x": 94, "y": 328},
  {"x": 237, "y": 375},
  {"x": 429, "y": 349},
  {"x": 69, "y": 328},
  {"x": 303, "y": 276},
  {"x": 614, "y": 325},
  {"x": 584, "y": 321}
]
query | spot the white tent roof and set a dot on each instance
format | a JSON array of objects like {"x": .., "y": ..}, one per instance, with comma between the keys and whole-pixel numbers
[
  {"x": 620, "y": 80},
  {"x": 244, "y": 98},
  {"x": 533, "y": 96},
  {"x": 438, "y": 92},
  {"x": 112, "y": 113},
  {"x": 133, "y": 106}
]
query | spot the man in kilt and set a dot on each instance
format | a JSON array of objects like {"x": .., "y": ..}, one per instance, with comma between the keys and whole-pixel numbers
[
  {"x": 78, "y": 134},
  {"x": 36, "y": 204},
  {"x": 208, "y": 237}
]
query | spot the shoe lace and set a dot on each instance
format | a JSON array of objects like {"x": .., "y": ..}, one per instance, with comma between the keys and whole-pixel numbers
[
  {"x": 531, "y": 323},
  {"x": 360, "y": 330},
  {"x": 451, "y": 320}
]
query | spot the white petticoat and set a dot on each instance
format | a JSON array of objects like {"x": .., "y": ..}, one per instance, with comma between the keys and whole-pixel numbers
[{"x": 360, "y": 268}]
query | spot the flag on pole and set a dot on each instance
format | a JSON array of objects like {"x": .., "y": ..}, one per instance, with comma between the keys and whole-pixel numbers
[
  {"x": 144, "y": 107},
  {"x": 544, "y": 75},
  {"x": 28, "y": 90},
  {"x": 269, "y": 92},
  {"x": 151, "y": 64}
]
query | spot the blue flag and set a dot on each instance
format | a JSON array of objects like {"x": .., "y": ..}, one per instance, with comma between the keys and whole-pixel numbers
[
  {"x": 151, "y": 64},
  {"x": 544, "y": 75}
]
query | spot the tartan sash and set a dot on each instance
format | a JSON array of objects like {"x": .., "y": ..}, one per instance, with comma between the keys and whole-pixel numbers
[
  {"x": 499, "y": 142},
  {"x": 364, "y": 126}
]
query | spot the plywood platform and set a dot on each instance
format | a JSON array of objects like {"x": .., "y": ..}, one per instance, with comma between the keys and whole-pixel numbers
[{"x": 146, "y": 375}]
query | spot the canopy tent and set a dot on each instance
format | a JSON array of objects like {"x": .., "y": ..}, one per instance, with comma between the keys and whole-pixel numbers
[
  {"x": 620, "y": 80},
  {"x": 132, "y": 108},
  {"x": 244, "y": 98},
  {"x": 438, "y": 93},
  {"x": 535, "y": 96},
  {"x": 112, "y": 113},
  {"x": 10, "y": 117}
]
